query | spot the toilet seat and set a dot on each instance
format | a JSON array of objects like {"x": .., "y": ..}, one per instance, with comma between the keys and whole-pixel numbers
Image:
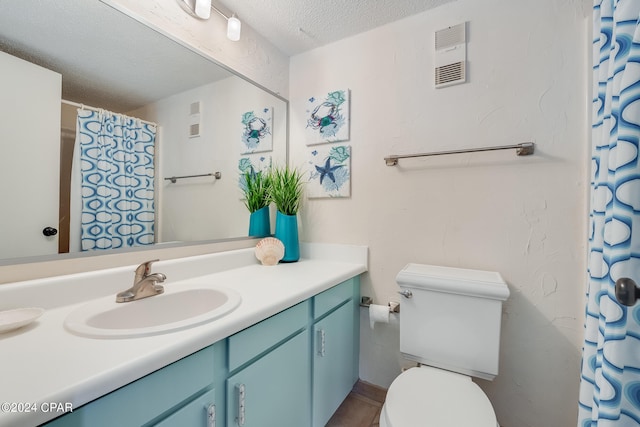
[{"x": 428, "y": 397}]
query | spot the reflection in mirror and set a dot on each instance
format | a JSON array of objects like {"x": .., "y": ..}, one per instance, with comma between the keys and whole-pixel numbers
[{"x": 206, "y": 118}]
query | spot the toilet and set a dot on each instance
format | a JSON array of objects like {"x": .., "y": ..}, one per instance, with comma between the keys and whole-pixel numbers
[{"x": 450, "y": 325}]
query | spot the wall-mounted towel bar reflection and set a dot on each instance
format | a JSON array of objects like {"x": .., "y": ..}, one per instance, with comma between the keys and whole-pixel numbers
[
  {"x": 522, "y": 149},
  {"x": 174, "y": 179}
]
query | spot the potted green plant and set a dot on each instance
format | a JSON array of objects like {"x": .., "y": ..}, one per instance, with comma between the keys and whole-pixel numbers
[
  {"x": 257, "y": 198},
  {"x": 286, "y": 193}
]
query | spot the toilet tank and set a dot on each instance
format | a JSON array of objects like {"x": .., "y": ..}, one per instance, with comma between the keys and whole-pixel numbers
[{"x": 452, "y": 318}]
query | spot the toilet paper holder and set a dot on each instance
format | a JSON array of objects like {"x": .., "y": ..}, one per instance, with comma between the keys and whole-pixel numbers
[{"x": 394, "y": 307}]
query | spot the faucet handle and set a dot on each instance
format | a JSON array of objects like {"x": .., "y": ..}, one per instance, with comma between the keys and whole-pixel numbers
[{"x": 144, "y": 269}]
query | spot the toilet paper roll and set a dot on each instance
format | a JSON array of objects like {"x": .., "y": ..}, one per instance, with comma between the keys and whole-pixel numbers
[{"x": 378, "y": 314}]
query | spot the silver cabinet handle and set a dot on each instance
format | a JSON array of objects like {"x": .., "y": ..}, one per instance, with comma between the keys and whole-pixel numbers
[
  {"x": 405, "y": 293},
  {"x": 241, "y": 395},
  {"x": 321, "y": 341},
  {"x": 211, "y": 415}
]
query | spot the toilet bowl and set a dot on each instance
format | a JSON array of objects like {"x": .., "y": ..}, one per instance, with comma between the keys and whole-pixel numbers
[{"x": 426, "y": 397}]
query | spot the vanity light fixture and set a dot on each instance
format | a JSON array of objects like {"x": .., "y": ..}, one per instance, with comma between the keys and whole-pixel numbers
[
  {"x": 201, "y": 9},
  {"x": 233, "y": 28}
]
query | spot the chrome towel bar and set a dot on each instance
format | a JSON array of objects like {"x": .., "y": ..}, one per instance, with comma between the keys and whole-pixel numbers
[
  {"x": 173, "y": 179},
  {"x": 522, "y": 149}
]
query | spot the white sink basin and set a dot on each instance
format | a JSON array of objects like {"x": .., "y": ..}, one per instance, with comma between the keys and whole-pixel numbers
[{"x": 171, "y": 311}]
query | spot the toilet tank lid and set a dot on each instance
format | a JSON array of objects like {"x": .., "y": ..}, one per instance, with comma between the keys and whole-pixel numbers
[{"x": 462, "y": 281}]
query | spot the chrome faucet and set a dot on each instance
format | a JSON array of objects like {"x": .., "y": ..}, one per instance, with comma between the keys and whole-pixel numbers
[{"x": 145, "y": 284}]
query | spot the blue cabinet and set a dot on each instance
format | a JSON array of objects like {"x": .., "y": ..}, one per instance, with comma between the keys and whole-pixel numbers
[
  {"x": 273, "y": 390},
  {"x": 335, "y": 348},
  {"x": 149, "y": 398},
  {"x": 291, "y": 369},
  {"x": 270, "y": 372},
  {"x": 250, "y": 343}
]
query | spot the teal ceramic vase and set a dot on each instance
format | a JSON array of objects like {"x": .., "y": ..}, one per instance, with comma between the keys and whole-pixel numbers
[
  {"x": 287, "y": 233},
  {"x": 260, "y": 223}
]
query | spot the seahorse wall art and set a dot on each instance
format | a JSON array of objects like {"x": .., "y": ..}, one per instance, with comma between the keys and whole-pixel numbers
[{"x": 327, "y": 118}]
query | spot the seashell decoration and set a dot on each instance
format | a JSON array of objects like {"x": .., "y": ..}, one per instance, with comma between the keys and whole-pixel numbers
[{"x": 269, "y": 251}]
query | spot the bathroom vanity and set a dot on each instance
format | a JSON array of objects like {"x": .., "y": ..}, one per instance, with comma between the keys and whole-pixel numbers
[{"x": 287, "y": 355}]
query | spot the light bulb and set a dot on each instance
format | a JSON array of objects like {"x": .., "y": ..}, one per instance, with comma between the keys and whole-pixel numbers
[
  {"x": 233, "y": 28},
  {"x": 203, "y": 8}
]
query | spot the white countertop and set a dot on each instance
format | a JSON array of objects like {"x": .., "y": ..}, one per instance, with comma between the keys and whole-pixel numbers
[{"x": 44, "y": 363}]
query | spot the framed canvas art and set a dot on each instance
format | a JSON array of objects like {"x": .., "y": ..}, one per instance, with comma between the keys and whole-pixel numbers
[
  {"x": 257, "y": 133},
  {"x": 330, "y": 172},
  {"x": 251, "y": 164},
  {"x": 327, "y": 118}
]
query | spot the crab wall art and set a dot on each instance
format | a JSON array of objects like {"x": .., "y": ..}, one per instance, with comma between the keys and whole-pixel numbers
[
  {"x": 256, "y": 130},
  {"x": 327, "y": 117}
]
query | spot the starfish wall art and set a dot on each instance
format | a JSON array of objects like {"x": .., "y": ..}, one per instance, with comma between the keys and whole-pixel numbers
[
  {"x": 252, "y": 164},
  {"x": 330, "y": 172}
]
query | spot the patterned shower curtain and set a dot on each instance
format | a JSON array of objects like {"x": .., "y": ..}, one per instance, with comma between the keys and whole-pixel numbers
[
  {"x": 117, "y": 166},
  {"x": 610, "y": 381}
]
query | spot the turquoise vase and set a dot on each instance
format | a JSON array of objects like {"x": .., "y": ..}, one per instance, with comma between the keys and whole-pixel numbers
[
  {"x": 260, "y": 223},
  {"x": 287, "y": 233}
]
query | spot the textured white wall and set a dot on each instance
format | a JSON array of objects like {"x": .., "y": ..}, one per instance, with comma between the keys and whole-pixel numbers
[{"x": 524, "y": 217}]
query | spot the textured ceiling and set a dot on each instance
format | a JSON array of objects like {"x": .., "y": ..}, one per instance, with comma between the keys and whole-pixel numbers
[{"x": 295, "y": 26}]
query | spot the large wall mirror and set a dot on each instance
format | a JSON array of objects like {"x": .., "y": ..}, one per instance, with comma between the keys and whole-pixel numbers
[{"x": 108, "y": 60}]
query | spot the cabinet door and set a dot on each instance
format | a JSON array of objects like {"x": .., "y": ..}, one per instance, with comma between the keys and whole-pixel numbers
[
  {"x": 334, "y": 371},
  {"x": 274, "y": 390}
]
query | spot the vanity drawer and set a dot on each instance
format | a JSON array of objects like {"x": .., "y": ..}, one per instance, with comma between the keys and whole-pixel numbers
[
  {"x": 331, "y": 298},
  {"x": 249, "y": 343}
]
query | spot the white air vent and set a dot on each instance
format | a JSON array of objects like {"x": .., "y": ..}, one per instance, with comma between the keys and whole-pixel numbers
[
  {"x": 194, "y": 108},
  {"x": 194, "y": 130},
  {"x": 194, "y": 119},
  {"x": 450, "y": 74},
  {"x": 451, "y": 53}
]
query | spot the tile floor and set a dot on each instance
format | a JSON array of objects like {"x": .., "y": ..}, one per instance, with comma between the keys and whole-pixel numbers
[{"x": 361, "y": 408}]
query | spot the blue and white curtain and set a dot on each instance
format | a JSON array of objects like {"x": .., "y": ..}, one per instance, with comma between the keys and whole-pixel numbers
[
  {"x": 117, "y": 166},
  {"x": 610, "y": 377}
]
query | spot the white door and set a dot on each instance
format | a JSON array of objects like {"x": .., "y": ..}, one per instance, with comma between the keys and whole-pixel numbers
[{"x": 30, "y": 158}]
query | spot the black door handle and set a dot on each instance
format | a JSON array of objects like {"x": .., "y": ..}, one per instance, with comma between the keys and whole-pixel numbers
[
  {"x": 49, "y": 231},
  {"x": 627, "y": 292}
]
